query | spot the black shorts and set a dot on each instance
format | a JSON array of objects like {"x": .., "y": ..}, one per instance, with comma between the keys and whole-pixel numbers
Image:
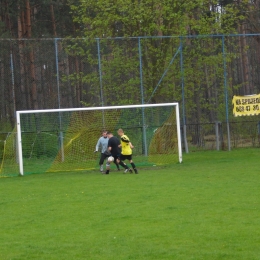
[
  {"x": 125, "y": 157},
  {"x": 116, "y": 156},
  {"x": 103, "y": 156}
]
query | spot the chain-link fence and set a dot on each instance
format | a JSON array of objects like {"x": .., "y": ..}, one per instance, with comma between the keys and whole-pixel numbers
[{"x": 202, "y": 73}]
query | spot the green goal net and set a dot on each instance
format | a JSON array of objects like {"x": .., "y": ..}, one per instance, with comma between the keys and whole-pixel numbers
[{"x": 63, "y": 140}]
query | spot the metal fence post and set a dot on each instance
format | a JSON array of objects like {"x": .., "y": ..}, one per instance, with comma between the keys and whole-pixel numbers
[
  {"x": 100, "y": 81},
  {"x": 217, "y": 134},
  {"x": 57, "y": 69},
  {"x": 226, "y": 89},
  {"x": 58, "y": 90},
  {"x": 100, "y": 73},
  {"x": 183, "y": 99},
  {"x": 14, "y": 100},
  {"x": 142, "y": 96},
  {"x": 13, "y": 90}
]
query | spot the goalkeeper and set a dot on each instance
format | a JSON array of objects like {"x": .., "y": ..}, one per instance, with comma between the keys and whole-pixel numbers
[
  {"x": 126, "y": 146},
  {"x": 102, "y": 143}
]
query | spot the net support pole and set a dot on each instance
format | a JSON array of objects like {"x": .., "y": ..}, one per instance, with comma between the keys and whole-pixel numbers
[
  {"x": 178, "y": 132},
  {"x": 142, "y": 97},
  {"x": 164, "y": 73},
  {"x": 226, "y": 90},
  {"x": 19, "y": 143}
]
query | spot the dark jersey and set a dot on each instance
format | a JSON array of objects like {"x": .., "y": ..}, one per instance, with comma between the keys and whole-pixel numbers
[{"x": 113, "y": 142}]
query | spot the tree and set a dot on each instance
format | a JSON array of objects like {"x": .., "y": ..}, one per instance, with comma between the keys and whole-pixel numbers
[
  {"x": 108, "y": 19},
  {"x": 24, "y": 21},
  {"x": 35, "y": 65}
]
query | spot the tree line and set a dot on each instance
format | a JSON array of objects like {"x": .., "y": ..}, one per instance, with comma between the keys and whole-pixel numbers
[{"x": 68, "y": 53}]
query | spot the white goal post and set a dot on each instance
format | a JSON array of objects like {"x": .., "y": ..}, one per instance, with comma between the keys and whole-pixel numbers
[{"x": 144, "y": 106}]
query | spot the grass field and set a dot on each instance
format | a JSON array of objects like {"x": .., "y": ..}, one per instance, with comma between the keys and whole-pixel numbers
[{"x": 206, "y": 208}]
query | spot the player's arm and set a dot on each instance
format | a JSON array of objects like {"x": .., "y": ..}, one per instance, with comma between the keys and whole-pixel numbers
[
  {"x": 97, "y": 145},
  {"x": 125, "y": 139},
  {"x": 109, "y": 147},
  {"x": 131, "y": 145}
]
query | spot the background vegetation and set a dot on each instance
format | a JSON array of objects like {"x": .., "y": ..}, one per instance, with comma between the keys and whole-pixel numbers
[{"x": 64, "y": 54}]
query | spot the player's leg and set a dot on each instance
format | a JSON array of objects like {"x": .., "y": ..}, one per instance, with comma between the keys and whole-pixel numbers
[
  {"x": 133, "y": 166},
  {"x": 132, "y": 163},
  {"x": 117, "y": 165},
  {"x": 101, "y": 161},
  {"x": 116, "y": 162},
  {"x": 107, "y": 167},
  {"x": 120, "y": 161}
]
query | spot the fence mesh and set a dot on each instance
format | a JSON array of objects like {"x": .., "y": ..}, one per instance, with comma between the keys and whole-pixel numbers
[{"x": 202, "y": 73}]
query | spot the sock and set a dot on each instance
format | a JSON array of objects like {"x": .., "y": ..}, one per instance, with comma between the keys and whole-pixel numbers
[
  {"x": 117, "y": 165},
  {"x": 133, "y": 165},
  {"x": 107, "y": 167},
  {"x": 123, "y": 165}
]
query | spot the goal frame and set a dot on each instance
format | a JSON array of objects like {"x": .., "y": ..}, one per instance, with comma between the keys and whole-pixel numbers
[{"x": 19, "y": 132}]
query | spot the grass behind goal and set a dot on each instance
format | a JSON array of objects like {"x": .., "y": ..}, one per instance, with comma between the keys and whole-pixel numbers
[{"x": 205, "y": 208}]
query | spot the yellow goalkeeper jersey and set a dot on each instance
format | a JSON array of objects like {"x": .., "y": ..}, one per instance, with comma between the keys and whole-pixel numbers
[{"x": 125, "y": 143}]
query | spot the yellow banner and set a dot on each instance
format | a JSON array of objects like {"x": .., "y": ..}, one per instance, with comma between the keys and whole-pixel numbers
[{"x": 246, "y": 105}]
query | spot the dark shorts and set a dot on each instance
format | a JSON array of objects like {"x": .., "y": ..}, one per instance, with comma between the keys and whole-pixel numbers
[
  {"x": 125, "y": 157},
  {"x": 116, "y": 156},
  {"x": 103, "y": 157}
]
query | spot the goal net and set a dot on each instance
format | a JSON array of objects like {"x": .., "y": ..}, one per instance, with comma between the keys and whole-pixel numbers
[
  {"x": 59, "y": 140},
  {"x": 9, "y": 156}
]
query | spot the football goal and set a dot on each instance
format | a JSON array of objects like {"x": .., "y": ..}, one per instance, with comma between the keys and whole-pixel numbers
[{"x": 59, "y": 140}]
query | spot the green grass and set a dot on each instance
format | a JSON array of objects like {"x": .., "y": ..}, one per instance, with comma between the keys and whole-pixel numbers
[{"x": 206, "y": 208}]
